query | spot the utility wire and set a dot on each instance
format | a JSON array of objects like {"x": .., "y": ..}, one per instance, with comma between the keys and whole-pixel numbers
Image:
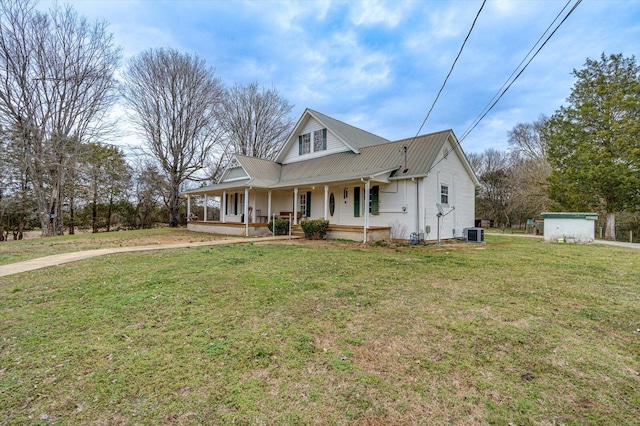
[
  {"x": 487, "y": 110},
  {"x": 451, "y": 70},
  {"x": 519, "y": 65},
  {"x": 445, "y": 82},
  {"x": 484, "y": 113}
]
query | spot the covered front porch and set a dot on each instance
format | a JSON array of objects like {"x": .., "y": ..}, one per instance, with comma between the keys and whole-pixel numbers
[
  {"x": 247, "y": 210},
  {"x": 335, "y": 232}
]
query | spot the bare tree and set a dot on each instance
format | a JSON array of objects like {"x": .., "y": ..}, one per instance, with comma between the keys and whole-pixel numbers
[
  {"x": 174, "y": 99},
  {"x": 496, "y": 194},
  {"x": 56, "y": 85},
  {"x": 256, "y": 121},
  {"x": 531, "y": 167},
  {"x": 526, "y": 139}
]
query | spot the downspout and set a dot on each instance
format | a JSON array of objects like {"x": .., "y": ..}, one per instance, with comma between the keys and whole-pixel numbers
[{"x": 417, "y": 206}]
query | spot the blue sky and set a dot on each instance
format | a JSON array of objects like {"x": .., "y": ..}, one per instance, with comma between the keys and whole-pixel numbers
[{"x": 378, "y": 65}]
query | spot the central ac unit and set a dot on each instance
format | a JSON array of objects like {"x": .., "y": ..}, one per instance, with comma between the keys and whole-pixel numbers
[{"x": 475, "y": 235}]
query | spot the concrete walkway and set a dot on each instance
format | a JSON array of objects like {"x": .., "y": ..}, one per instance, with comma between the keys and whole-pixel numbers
[
  {"x": 59, "y": 259},
  {"x": 609, "y": 243}
]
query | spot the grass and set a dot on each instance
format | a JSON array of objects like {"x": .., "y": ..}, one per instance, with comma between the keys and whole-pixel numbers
[
  {"x": 512, "y": 332},
  {"x": 18, "y": 251}
]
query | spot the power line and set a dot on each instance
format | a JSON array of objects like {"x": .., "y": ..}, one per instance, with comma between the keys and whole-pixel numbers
[
  {"x": 487, "y": 110},
  {"x": 520, "y": 64},
  {"x": 450, "y": 71},
  {"x": 484, "y": 113}
]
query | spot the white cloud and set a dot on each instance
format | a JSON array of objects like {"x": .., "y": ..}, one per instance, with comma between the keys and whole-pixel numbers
[{"x": 375, "y": 12}]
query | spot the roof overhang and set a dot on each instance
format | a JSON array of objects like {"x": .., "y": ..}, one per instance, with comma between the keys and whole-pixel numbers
[
  {"x": 218, "y": 187},
  {"x": 563, "y": 215},
  {"x": 463, "y": 158},
  {"x": 380, "y": 175}
]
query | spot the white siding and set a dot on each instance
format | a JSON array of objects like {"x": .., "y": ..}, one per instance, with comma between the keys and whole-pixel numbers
[
  {"x": 236, "y": 173},
  {"x": 418, "y": 197},
  {"x": 461, "y": 206},
  {"x": 333, "y": 144}
]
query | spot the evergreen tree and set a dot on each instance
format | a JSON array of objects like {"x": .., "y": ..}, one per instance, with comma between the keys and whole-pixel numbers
[{"x": 594, "y": 142}]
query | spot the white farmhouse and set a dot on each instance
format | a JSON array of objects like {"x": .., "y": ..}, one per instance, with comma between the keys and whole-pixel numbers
[{"x": 369, "y": 188}]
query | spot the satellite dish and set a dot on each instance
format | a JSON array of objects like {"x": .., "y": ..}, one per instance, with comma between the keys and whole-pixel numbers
[{"x": 440, "y": 210}]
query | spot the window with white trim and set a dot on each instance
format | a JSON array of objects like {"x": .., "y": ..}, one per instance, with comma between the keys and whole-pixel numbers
[
  {"x": 320, "y": 140},
  {"x": 306, "y": 143},
  {"x": 444, "y": 194}
]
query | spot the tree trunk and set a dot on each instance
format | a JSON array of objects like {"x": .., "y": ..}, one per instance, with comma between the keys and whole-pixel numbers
[
  {"x": 22, "y": 220},
  {"x": 109, "y": 213},
  {"x": 72, "y": 219},
  {"x": 94, "y": 212},
  {"x": 1, "y": 214},
  {"x": 174, "y": 205},
  {"x": 173, "y": 219},
  {"x": 610, "y": 227}
]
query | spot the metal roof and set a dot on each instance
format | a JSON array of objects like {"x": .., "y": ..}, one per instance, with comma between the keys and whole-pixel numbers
[
  {"x": 353, "y": 136},
  {"x": 376, "y": 160},
  {"x": 570, "y": 215},
  {"x": 421, "y": 153},
  {"x": 257, "y": 168},
  {"x": 219, "y": 187}
]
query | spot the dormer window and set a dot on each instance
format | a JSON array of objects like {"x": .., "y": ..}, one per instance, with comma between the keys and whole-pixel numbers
[
  {"x": 304, "y": 143},
  {"x": 319, "y": 142}
]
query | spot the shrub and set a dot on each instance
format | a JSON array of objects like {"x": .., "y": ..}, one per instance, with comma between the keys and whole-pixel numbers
[
  {"x": 315, "y": 229},
  {"x": 282, "y": 226}
]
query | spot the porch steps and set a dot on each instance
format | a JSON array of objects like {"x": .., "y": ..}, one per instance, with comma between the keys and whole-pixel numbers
[{"x": 296, "y": 231}]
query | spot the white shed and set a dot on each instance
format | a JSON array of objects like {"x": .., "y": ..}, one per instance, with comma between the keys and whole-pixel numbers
[{"x": 569, "y": 227}]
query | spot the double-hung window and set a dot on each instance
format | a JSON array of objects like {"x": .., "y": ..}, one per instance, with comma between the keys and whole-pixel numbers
[
  {"x": 315, "y": 141},
  {"x": 444, "y": 194},
  {"x": 320, "y": 140},
  {"x": 306, "y": 143}
]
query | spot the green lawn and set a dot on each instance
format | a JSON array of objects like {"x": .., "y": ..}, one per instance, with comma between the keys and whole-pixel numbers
[
  {"x": 512, "y": 332},
  {"x": 18, "y": 251}
]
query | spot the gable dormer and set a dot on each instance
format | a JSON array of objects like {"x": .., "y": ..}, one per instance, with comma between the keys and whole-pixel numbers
[
  {"x": 234, "y": 172},
  {"x": 316, "y": 135},
  {"x": 311, "y": 140}
]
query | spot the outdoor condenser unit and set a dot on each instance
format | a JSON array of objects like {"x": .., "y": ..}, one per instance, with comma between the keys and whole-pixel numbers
[{"x": 475, "y": 235}]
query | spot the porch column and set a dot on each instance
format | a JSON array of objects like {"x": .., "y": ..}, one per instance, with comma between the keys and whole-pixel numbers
[
  {"x": 246, "y": 212},
  {"x": 269, "y": 206},
  {"x": 206, "y": 201},
  {"x": 367, "y": 187},
  {"x": 326, "y": 202},
  {"x": 295, "y": 206},
  {"x": 223, "y": 212},
  {"x": 188, "y": 208}
]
